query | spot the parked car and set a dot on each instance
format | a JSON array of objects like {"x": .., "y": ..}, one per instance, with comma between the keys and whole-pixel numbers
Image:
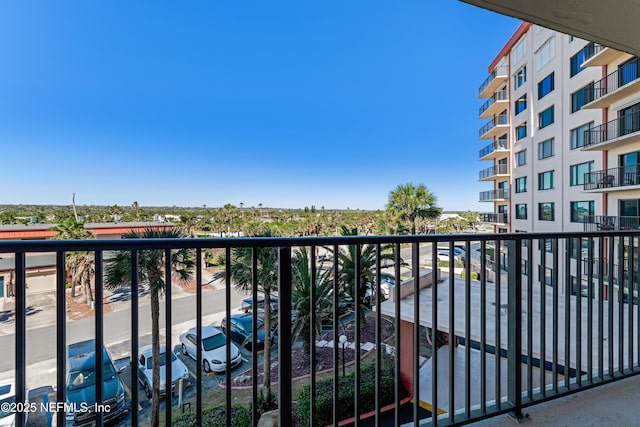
[
  {"x": 145, "y": 370},
  {"x": 387, "y": 282},
  {"x": 241, "y": 331},
  {"x": 247, "y": 303},
  {"x": 214, "y": 348},
  {"x": 81, "y": 384},
  {"x": 8, "y": 397}
]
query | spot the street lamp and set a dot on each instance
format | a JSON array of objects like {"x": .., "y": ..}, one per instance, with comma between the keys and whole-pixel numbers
[{"x": 343, "y": 342}]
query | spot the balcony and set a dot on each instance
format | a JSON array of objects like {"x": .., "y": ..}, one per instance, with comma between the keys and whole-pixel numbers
[
  {"x": 614, "y": 179},
  {"x": 499, "y": 75},
  {"x": 494, "y": 195},
  {"x": 600, "y": 222},
  {"x": 621, "y": 83},
  {"x": 498, "y": 148},
  {"x": 495, "y": 218},
  {"x": 495, "y": 127},
  {"x": 619, "y": 132},
  {"x": 520, "y": 340},
  {"x": 494, "y": 172},
  {"x": 601, "y": 55},
  {"x": 494, "y": 105}
]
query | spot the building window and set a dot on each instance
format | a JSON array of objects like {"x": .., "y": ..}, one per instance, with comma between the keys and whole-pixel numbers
[
  {"x": 521, "y": 158},
  {"x": 581, "y": 210},
  {"x": 545, "y": 180},
  {"x": 546, "y": 85},
  {"x": 545, "y": 118},
  {"x": 546, "y": 53},
  {"x": 521, "y": 104},
  {"x": 571, "y": 38},
  {"x": 578, "y": 137},
  {"x": 582, "y": 96},
  {"x": 520, "y": 77},
  {"x": 578, "y": 172},
  {"x": 519, "y": 51},
  {"x": 545, "y": 149},
  {"x": 521, "y": 131},
  {"x": 575, "y": 62},
  {"x": 521, "y": 211},
  {"x": 521, "y": 185},
  {"x": 546, "y": 211}
]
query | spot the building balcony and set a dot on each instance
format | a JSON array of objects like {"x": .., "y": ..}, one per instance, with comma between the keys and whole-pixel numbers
[
  {"x": 494, "y": 172},
  {"x": 616, "y": 86},
  {"x": 498, "y": 148},
  {"x": 509, "y": 352},
  {"x": 493, "y": 81},
  {"x": 495, "y": 127},
  {"x": 494, "y": 105},
  {"x": 600, "y": 55},
  {"x": 494, "y": 195},
  {"x": 608, "y": 223},
  {"x": 495, "y": 218},
  {"x": 616, "y": 133},
  {"x": 620, "y": 178}
]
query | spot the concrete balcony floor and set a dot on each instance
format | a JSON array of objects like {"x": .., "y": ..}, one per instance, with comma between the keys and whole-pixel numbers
[{"x": 614, "y": 404}]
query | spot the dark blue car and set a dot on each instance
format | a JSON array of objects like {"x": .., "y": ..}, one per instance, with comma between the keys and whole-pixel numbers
[{"x": 241, "y": 330}]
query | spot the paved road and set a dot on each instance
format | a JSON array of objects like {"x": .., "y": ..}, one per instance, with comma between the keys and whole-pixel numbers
[{"x": 41, "y": 341}]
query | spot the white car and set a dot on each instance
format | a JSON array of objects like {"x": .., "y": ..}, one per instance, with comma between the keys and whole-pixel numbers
[
  {"x": 214, "y": 348},
  {"x": 8, "y": 396},
  {"x": 145, "y": 370}
]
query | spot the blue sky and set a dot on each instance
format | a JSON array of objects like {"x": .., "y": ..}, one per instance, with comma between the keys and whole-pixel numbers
[{"x": 284, "y": 103}]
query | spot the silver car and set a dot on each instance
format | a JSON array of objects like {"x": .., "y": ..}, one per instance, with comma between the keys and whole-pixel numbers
[
  {"x": 145, "y": 370},
  {"x": 214, "y": 348}
]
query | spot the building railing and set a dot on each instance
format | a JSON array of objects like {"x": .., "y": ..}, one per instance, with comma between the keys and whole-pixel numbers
[
  {"x": 499, "y": 169},
  {"x": 501, "y": 95},
  {"x": 498, "y": 194},
  {"x": 497, "y": 218},
  {"x": 498, "y": 145},
  {"x": 529, "y": 329},
  {"x": 620, "y": 176},
  {"x": 500, "y": 119},
  {"x": 605, "y": 223},
  {"x": 622, "y": 126},
  {"x": 502, "y": 70},
  {"x": 614, "y": 81},
  {"x": 591, "y": 50}
]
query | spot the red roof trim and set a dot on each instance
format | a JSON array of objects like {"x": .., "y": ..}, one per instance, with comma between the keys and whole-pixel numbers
[{"x": 522, "y": 29}]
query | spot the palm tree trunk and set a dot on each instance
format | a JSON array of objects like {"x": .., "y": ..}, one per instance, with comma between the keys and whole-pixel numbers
[
  {"x": 87, "y": 288},
  {"x": 267, "y": 345},
  {"x": 155, "y": 357}
]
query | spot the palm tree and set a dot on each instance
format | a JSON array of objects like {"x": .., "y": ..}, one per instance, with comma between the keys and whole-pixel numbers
[
  {"x": 347, "y": 273},
  {"x": 301, "y": 297},
  {"x": 151, "y": 264},
  {"x": 409, "y": 203},
  {"x": 77, "y": 262},
  {"x": 242, "y": 276}
]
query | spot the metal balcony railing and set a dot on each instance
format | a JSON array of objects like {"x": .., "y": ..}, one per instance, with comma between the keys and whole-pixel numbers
[
  {"x": 602, "y": 222},
  {"x": 500, "y": 119},
  {"x": 498, "y": 71},
  {"x": 496, "y": 218},
  {"x": 499, "y": 169},
  {"x": 500, "y": 323},
  {"x": 621, "y": 176},
  {"x": 617, "y": 128},
  {"x": 498, "y": 145},
  {"x": 501, "y": 95},
  {"x": 614, "y": 81},
  {"x": 591, "y": 50},
  {"x": 494, "y": 195}
]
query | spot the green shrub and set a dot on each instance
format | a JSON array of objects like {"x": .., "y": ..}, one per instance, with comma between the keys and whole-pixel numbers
[
  {"x": 216, "y": 416},
  {"x": 324, "y": 394}
]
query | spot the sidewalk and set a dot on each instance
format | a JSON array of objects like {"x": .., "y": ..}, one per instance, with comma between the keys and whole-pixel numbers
[{"x": 41, "y": 307}]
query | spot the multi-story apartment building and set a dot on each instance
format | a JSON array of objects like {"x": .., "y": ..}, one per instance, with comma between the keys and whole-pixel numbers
[
  {"x": 536, "y": 134},
  {"x": 615, "y": 96}
]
